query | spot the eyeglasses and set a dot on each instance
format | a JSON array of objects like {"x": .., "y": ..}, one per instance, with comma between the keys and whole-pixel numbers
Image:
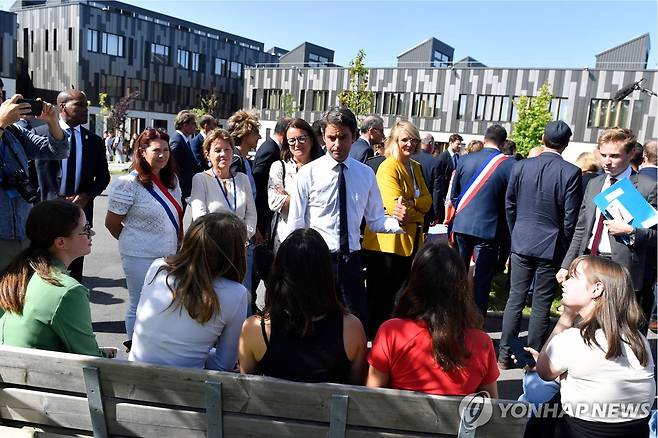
[
  {"x": 86, "y": 231},
  {"x": 301, "y": 139},
  {"x": 412, "y": 141}
]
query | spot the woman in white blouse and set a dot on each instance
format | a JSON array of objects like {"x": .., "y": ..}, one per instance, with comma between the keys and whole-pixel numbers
[
  {"x": 300, "y": 146},
  {"x": 218, "y": 189},
  {"x": 145, "y": 206}
]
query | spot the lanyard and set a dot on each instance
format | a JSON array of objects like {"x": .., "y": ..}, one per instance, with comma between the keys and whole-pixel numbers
[{"x": 225, "y": 193}]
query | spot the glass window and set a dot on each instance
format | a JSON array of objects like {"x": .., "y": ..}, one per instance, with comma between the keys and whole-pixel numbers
[
  {"x": 182, "y": 58},
  {"x": 92, "y": 40},
  {"x": 302, "y": 99},
  {"x": 320, "y": 99},
  {"x": 606, "y": 113},
  {"x": 393, "y": 104},
  {"x": 235, "y": 70},
  {"x": 272, "y": 99},
  {"x": 196, "y": 62},
  {"x": 479, "y": 108},
  {"x": 112, "y": 44},
  {"x": 159, "y": 54},
  {"x": 426, "y": 105},
  {"x": 461, "y": 107},
  {"x": 220, "y": 67}
]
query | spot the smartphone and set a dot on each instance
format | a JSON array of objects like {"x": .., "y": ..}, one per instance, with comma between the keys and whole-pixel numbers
[
  {"x": 36, "y": 106},
  {"x": 522, "y": 357}
]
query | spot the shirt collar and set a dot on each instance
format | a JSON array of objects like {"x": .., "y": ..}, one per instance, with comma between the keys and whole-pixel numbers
[
  {"x": 330, "y": 163},
  {"x": 184, "y": 136},
  {"x": 625, "y": 174},
  {"x": 551, "y": 151}
]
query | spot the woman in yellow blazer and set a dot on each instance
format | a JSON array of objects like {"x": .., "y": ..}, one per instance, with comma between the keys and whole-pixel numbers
[{"x": 388, "y": 256}]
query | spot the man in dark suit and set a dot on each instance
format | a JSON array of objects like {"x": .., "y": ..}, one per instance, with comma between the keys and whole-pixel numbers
[
  {"x": 542, "y": 202},
  {"x": 207, "y": 124},
  {"x": 179, "y": 143},
  {"x": 84, "y": 174},
  {"x": 650, "y": 160},
  {"x": 615, "y": 239},
  {"x": 266, "y": 154},
  {"x": 480, "y": 207},
  {"x": 372, "y": 132},
  {"x": 430, "y": 165},
  {"x": 447, "y": 162}
]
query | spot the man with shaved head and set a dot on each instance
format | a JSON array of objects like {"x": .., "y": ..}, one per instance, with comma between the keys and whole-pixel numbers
[{"x": 84, "y": 174}]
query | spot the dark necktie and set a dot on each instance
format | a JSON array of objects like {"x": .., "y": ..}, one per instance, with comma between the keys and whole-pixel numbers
[
  {"x": 599, "y": 229},
  {"x": 342, "y": 204},
  {"x": 455, "y": 160},
  {"x": 69, "y": 188}
]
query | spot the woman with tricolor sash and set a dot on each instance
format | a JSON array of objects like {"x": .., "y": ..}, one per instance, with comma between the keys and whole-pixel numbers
[{"x": 145, "y": 214}]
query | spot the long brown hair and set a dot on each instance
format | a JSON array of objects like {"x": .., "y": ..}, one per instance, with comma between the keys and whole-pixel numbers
[
  {"x": 439, "y": 294},
  {"x": 212, "y": 247},
  {"x": 616, "y": 310},
  {"x": 143, "y": 168},
  {"x": 314, "y": 145},
  {"x": 46, "y": 222}
]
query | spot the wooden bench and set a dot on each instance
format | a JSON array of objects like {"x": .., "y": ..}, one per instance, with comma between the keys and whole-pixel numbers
[{"x": 65, "y": 394}]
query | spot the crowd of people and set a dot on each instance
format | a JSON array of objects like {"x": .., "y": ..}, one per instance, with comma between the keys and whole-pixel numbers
[{"x": 336, "y": 227}]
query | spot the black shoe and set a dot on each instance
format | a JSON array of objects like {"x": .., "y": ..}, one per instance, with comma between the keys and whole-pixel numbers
[{"x": 128, "y": 344}]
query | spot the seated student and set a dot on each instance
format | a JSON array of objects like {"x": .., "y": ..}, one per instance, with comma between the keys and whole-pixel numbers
[
  {"x": 44, "y": 307},
  {"x": 434, "y": 344},
  {"x": 603, "y": 358},
  {"x": 193, "y": 301},
  {"x": 304, "y": 333}
]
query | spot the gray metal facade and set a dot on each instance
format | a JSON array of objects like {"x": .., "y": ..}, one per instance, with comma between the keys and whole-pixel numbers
[
  {"x": 422, "y": 55},
  {"x": 302, "y": 55},
  {"x": 7, "y": 45},
  {"x": 165, "y": 88},
  {"x": 579, "y": 89},
  {"x": 631, "y": 55}
]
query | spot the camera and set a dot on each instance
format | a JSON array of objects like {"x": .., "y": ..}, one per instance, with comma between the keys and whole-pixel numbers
[{"x": 21, "y": 183}]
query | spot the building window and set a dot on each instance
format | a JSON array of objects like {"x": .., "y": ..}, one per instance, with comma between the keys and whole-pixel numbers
[
  {"x": 196, "y": 61},
  {"x": 54, "y": 39},
  {"x": 235, "y": 70},
  {"x": 606, "y": 113},
  {"x": 254, "y": 96},
  {"x": 461, "y": 106},
  {"x": 92, "y": 40},
  {"x": 426, "y": 105},
  {"x": 112, "y": 85},
  {"x": 183, "y": 58},
  {"x": 559, "y": 107},
  {"x": 320, "y": 99},
  {"x": 376, "y": 102},
  {"x": 315, "y": 60},
  {"x": 135, "y": 85},
  {"x": 220, "y": 67},
  {"x": 393, "y": 104},
  {"x": 46, "y": 40},
  {"x": 159, "y": 55},
  {"x": 302, "y": 99},
  {"x": 112, "y": 44},
  {"x": 31, "y": 41},
  {"x": 272, "y": 99},
  {"x": 440, "y": 59},
  {"x": 70, "y": 38},
  {"x": 494, "y": 108},
  {"x": 155, "y": 91}
]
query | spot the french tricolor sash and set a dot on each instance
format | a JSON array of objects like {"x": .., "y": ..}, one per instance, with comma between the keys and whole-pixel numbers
[
  {"x": 479, "y": 178},
  {"x": 171, "y": 206}
]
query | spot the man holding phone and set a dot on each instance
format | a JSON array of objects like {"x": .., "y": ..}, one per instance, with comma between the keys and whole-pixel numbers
[
  {"x": 84, "y": 174},
  {"x": 17, "y": 146}
]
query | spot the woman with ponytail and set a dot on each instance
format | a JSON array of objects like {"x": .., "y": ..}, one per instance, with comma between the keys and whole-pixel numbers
[
  {"x": 43, "y": 306},
  {"x": 192, "y": 305}
]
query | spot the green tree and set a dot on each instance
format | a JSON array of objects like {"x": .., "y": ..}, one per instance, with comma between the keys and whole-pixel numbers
[
  {"x": 288, "y": 104},
  {"x": 207, "y": 105},
  {"x": 105, "y": 109},
  {"x": 534, "y": 115},
  {"x": 357, "y": 97}
]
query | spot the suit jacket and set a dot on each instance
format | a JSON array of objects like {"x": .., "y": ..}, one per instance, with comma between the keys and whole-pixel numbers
[
  {"x": 542, "y": 203},
  {"x": 651, "y": 172},
  {"x": 430, "y": 165},
  {"x": 394, "y": 181},
  {"x": 94, "y": 174},
  {"x": 361, "y": 150},
  {"x": 445, "y": 166},
  {"x": 486, "y": 211},
  {"x": 633, "y": 256},
  {"x": 186, "y": 164},
  {"x": 197, "y": 150},
  {"x": 375, "y": 162},
  {"x": 267, "y": 153}
]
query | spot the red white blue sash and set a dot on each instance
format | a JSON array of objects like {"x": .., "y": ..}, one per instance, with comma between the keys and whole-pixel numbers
[
  {"x": 171, "y": 206},
  {"x": 479, "y": 179}
]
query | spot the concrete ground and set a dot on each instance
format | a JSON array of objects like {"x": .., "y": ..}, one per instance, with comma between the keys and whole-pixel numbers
[{"x": 104, "y": 276}]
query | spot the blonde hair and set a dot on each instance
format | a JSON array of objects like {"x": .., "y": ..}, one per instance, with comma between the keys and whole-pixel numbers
[
  {"x": 618, "y": 135},
  {"x": 474, "y": 146},
  {"x": 392, "y": 146},
  {"x": 587, "y": 162},
  {"x": 214, "y": 135},
  {"x": 241, "y": 124}
]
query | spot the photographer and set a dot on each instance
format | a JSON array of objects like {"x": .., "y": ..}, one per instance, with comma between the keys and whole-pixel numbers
[{"x": 17, "y": 146}]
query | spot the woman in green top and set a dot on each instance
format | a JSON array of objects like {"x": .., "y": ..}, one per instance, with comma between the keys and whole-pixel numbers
[{"x": 44, "y": 307}]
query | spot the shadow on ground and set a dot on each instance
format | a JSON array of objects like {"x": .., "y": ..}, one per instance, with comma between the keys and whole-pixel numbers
[
  {"x": 100, "y": 282},
  {"x": 104, "y": 298}
]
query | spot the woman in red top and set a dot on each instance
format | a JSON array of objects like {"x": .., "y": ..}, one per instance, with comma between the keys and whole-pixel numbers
[{"x": 434, "y": 344}]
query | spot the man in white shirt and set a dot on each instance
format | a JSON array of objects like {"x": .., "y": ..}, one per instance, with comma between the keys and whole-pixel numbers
[{"x": 333, "y": 194}]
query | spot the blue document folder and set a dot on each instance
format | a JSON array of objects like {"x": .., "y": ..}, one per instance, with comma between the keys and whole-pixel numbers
[{"x": 622, "y": 201}]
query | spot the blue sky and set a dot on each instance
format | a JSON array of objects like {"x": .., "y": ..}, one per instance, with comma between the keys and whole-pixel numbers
[{"x": 499, "y": 34}]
